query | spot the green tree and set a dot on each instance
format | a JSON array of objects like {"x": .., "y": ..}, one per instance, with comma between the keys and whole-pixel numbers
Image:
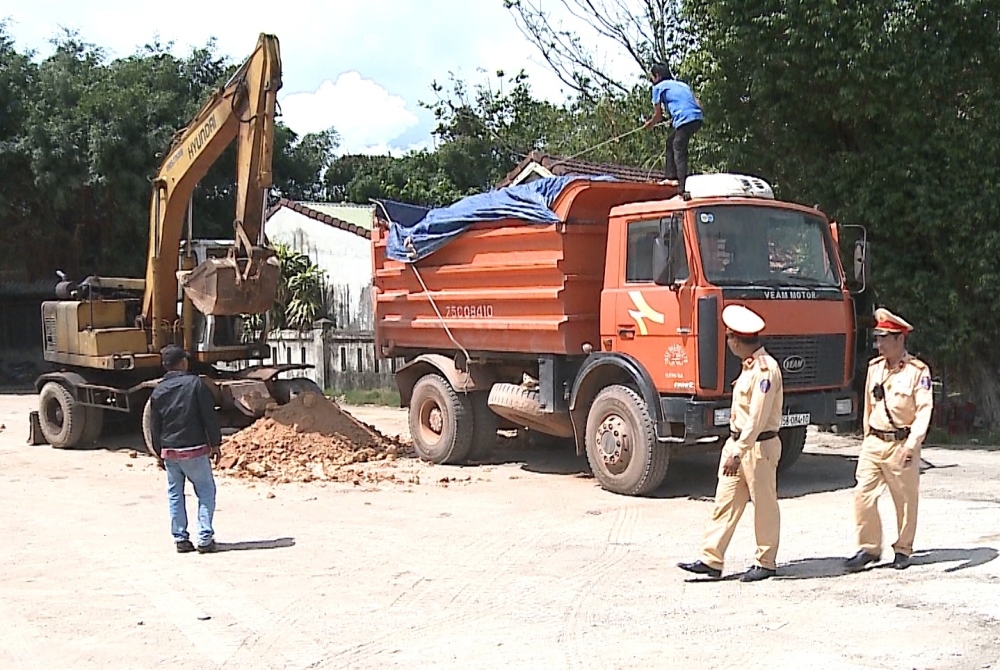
[
  {"x": 80, "y": 137},
  {"x": 882, "y": 112}
]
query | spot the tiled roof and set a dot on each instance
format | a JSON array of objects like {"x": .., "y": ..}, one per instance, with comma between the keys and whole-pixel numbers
[
  {"x": 562, "y": 166},
  {"x": 322, "y": 217},
  {"x": 359, "y": 215}
]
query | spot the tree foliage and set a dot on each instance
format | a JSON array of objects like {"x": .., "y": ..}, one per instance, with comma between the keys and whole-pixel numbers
[
  {"x": 80, "y": 138},
  {"x": 643, "y": 32},
  {"x": 884, "y": 113}
]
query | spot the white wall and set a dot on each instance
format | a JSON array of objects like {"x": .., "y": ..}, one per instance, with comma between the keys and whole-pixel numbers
[{"x": 345, "y": 257}]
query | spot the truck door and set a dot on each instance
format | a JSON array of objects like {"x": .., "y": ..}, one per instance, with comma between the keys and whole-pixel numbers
[{"x": 653, "y": 315}]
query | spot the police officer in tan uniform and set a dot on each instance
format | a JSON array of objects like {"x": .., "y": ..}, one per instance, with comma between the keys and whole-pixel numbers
[
  {"x": 749, "y": 464},
  {"x": 898, "y": 405}
]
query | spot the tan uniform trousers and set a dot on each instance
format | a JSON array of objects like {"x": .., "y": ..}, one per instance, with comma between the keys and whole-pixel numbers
[
  {"x": 879, "y": 464},
  {"x": 756, "y": 481}
]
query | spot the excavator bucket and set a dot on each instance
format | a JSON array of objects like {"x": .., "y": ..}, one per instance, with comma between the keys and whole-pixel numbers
[{"x": 231, "y": 285}]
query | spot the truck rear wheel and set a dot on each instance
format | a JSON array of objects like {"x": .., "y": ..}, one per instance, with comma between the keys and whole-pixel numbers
[
  {"x": 61, "y": 417},
  {"x": 440, "y": 420},
  {"x": 793, "y": 441},
  {"x": 523, "y": 407},
  {"x": 621, "y": 443}
]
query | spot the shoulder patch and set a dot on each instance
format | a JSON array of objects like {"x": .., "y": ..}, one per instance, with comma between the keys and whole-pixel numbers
[
  {"x": 765, "y": 385},
  {"x": 925, "y": 382}
]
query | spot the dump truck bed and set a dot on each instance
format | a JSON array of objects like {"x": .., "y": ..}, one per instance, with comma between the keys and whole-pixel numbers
[{"x": 506, "y": 286}]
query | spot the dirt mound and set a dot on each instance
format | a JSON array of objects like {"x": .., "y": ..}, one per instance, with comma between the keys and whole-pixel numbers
[{"x": 310, "y": 438}]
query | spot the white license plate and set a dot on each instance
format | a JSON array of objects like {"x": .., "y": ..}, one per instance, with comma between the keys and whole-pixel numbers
[{"x": 790, "y": 420}]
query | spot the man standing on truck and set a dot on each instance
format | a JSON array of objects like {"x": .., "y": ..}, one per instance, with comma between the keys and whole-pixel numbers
[
  {"x": 185, "y": 433},
  {"x": 685, "y": 118},
  {"x": 749, "y": 464},
  {"x": 898, "y": 407}
]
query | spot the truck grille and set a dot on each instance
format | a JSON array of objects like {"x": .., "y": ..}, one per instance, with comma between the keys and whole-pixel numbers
[{"x": 814, "y": 361}]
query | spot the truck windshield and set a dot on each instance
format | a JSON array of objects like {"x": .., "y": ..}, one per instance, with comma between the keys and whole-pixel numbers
[{"x": 745, "y": 245}]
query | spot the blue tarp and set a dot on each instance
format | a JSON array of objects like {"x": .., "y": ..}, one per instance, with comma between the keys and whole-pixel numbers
[{"x": 412, "y": 238}]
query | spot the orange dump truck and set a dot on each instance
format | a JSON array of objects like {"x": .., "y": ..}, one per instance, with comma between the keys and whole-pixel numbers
[{"x": 604, "y": 324}]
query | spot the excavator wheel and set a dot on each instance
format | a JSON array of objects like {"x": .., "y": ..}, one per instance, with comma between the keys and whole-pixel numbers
[
  {"x": 284, "y": 390},
  {"x": 62, "y": 418}
]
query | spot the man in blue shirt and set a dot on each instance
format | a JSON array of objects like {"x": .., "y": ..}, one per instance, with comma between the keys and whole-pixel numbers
[{"x": 685, "y": 117}]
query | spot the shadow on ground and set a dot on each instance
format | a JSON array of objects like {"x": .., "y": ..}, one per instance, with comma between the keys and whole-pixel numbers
[
  {"x": 692, "y": 474},
  {"x": 833, "y": 566},
  {"x": 254, "y": 545}
]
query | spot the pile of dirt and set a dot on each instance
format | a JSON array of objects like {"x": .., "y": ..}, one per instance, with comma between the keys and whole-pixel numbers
[{"x": 309, "y": 439}]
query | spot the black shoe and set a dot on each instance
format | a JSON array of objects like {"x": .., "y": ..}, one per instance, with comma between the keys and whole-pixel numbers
[
  {"x": 209, "y": 548},
  {"x": 859, "y": 560},
  {"x": 184, "y": 547},
  {"x": 700, "y": 568},
  {"x": 901, "y": 562},
  {"x": 757, "y": 573}
]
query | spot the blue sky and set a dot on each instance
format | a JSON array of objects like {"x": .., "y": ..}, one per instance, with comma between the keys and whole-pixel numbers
[{"x": 360, "y": 66}]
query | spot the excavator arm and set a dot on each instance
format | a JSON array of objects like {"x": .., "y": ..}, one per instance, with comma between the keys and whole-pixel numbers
[{"x": 242, "y": 110}]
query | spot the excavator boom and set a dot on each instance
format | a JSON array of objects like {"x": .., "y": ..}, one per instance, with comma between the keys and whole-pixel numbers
[{"x": 245, "y": 282}]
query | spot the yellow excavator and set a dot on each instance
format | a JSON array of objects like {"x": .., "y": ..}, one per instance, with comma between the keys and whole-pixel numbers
[{"x": 106, "y": 333}]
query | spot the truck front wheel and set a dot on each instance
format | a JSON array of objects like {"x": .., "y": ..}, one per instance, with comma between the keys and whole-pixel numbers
[
  {"x": 440, "y": 420},
  {"x": 793, "y": 441},
  {"x": 621, "y": 443}
]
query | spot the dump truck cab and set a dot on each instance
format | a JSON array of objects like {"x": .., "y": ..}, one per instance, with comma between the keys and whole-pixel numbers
[{"x": 673, "y": 265}]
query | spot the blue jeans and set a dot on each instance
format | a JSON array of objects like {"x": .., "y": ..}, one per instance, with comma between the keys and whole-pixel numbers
[{"x": 199, "y": 471}]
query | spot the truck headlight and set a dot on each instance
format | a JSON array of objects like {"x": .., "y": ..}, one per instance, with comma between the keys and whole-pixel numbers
[
  {"x": 720, "y": 417},
  {"x": 844, "y": 406}
]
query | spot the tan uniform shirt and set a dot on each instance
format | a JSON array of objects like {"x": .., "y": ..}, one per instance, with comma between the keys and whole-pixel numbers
[
  {"x": 908, "y": 398},
  {"x": 757, "y": 400}
]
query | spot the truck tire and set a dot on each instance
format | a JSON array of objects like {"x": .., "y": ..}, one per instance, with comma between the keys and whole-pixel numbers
[
  {"x": 622, "y": 448},
  {"x": 441, "y": 421},
  {"x": 485, "y": 424},
  {"x": 61, "y": 417},
  {"x": 793, "y": 440},
  {"x": 147, "y": 428},
  {"x": 523, "y": 407},
  {"x": 92, "y": 426}
]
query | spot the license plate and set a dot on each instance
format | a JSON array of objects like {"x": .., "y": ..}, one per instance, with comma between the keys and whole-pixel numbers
[{"x": 790, "y": 420}]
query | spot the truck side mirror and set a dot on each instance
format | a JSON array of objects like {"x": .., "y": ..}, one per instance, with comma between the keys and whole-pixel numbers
[
  {"x": 862, "y": 262},
  {"x": 857, "y": 256},
  {"x": 664, "y": 252},
  {"x": 663, "y": 266}
]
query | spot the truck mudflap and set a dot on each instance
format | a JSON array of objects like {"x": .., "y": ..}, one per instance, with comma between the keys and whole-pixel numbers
[{"x": 707, "y": 418}]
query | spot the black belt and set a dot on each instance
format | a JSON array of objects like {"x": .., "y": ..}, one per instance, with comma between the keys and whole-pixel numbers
[
  {"x": 766, "y": 435},
  {"x": 891, "y": 435}
]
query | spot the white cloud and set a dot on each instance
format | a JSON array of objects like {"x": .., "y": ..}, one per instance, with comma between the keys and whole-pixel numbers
[
  {"x": 359, "y": 65},
  {"x": 366, "y": 115}
]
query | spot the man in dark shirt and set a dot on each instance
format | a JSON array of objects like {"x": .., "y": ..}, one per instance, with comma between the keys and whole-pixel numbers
[{"x": 185, "y": 433}]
